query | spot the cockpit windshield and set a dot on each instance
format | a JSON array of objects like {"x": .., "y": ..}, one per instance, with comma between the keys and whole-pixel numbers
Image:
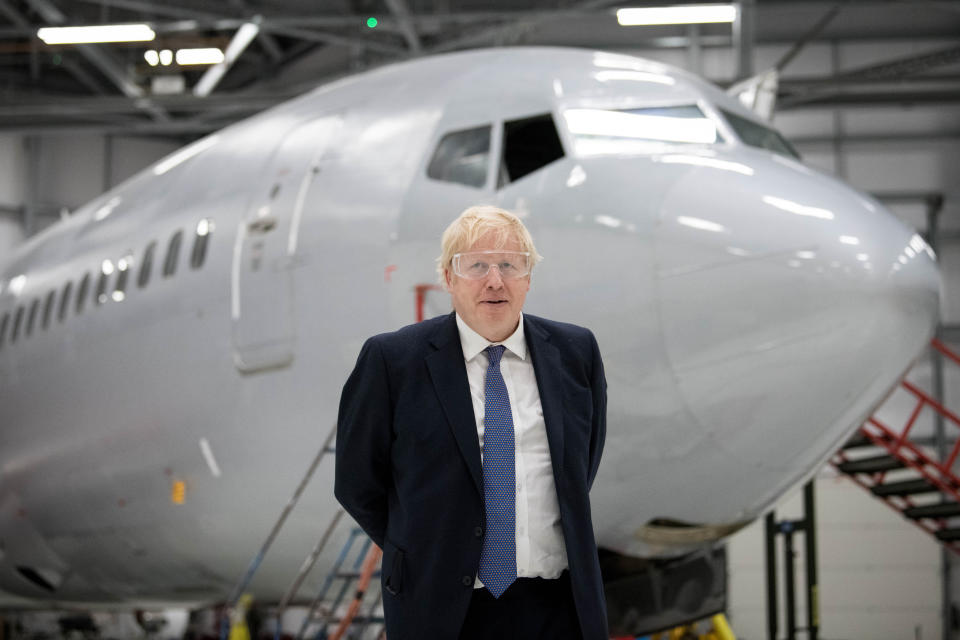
[
  {"x": 757, "y": 135},
  {"x": 644, "y": 130}
]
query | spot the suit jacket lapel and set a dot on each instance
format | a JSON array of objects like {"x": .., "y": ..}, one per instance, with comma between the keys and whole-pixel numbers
[
  {"x": 449, "y": 376},
  {"x": 546, "y": 365}
]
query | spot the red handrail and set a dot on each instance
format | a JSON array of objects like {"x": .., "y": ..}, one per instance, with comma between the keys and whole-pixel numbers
[
  {"x": 937, "y": 473},
  {"x": 945, "y": 350}
]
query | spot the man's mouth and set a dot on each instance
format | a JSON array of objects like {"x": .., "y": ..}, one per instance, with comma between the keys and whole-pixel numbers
[{"x": 493, "y": 302}]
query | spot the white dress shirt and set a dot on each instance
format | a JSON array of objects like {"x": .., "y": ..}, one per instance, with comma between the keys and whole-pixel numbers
[{"x": 541, "y": 552}]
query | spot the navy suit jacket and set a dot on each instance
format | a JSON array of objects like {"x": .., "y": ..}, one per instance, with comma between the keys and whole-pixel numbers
[{"x": 408, "y": 467}]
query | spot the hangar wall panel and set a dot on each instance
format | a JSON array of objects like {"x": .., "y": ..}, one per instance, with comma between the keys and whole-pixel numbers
[
  {"x": 73, "y": 170},
  {"x": 12, "y": 191},
  {"x": 130, "y": 155},
  {"x": 13, "y": 174}
]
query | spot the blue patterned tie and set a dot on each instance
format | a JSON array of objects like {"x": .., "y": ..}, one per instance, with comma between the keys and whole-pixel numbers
[{"x": 498, "y": 559}]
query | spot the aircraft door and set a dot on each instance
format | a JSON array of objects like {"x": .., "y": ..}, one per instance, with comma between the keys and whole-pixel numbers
[{"x": 265, "y": 251}]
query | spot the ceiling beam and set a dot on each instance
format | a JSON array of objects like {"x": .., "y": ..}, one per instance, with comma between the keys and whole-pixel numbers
[
  {"x": 807, "y": 37},
  {"x": 868, "y": 98},
  {"x": 907, "y": 66},
  {"x": 401, "y": 12},
  {"x": 940, "y": 137}
]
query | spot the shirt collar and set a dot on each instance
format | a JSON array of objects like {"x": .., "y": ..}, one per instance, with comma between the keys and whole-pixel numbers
[{"x": 473, "y": 343}]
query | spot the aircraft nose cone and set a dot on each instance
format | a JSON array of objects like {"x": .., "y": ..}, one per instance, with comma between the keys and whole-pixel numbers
[{"x": 790, "y": 304}]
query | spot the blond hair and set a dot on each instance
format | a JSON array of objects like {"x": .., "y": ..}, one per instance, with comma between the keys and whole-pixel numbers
[{"x": 474, "y": 223}]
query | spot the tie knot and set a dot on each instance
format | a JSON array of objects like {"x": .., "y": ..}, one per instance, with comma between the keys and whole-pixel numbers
[{"x": 495, "y": 352}]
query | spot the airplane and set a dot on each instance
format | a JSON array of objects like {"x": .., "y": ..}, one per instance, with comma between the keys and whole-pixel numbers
[{"x": 172, "y": 353}]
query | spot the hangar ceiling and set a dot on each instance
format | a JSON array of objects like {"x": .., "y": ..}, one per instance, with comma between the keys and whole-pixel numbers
[{"x": 302, "y": 43}]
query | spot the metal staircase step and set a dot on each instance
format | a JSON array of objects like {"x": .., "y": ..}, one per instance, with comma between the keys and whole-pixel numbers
[
  {"x": 948, "y": 535},
  {"x": 903, "y": 488},
  {"x": 858, "y": 440},
  {"x": 941, "y": 510},
  {"x": 875, "y": 464}
]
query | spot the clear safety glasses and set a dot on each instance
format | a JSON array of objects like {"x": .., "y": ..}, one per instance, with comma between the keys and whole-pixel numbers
[{"x": 475, "y": 265}]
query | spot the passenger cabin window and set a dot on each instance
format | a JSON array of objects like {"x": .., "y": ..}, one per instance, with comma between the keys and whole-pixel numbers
[
  {"x": 48, "y": 308},
  {"x": 3, "y": 328},
  {"x": 100, "y": 296},
  {"x": 462, "y": 157},
  {"x": 144, "y": 276},
  {"x": 31, "y": 319},
  {"x": 173, "y": 252},
  {"x": 528, "y": 145},
  {"x": 757, "y": 135},
  {"x": 123, "y": 274},
  {"x": 200, "y": 241},
  {"x": 17, "y": 321},
  {"x": 64, "y": 301},
  {"x": 644, "y": 130},
  {"x": 82, "y": 292}
]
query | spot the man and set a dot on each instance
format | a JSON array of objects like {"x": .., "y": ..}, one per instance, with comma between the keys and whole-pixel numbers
[{"x": 466, "y": 448}]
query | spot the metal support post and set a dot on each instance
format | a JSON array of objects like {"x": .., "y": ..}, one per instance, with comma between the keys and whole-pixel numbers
[
  {"x": 839, "y": 150},
  {"x": 810, "y": 551},
  {"x": 695, "y": 50},
  {"x": 786, "y": 528},
  {"x": 743, "y": 38},
  {"x": 32, "y": 144},
  {"x": 771, "y": 565},
  {"x": 107, "y": 162}
]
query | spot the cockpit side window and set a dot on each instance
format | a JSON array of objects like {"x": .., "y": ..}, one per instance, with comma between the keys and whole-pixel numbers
[
  {"x": 757, "y": 135},
  {"x": 528, "y": 145},
  {"x": 462, "y": 157}
]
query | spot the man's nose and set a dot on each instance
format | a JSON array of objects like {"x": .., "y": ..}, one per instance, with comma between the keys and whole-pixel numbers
[{"x": 494, "y": 279}]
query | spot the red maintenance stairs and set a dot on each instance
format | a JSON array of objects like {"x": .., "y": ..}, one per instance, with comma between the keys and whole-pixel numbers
[{"x": 908, "y": 474}]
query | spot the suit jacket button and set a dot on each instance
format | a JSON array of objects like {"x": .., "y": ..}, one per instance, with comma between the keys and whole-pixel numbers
[
  {"x": 467, "y": 581},
  {"x": 478, "y": 532}
]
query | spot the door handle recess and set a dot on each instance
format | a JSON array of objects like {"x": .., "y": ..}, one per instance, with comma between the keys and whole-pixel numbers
[{"x": 262, "y": 225}]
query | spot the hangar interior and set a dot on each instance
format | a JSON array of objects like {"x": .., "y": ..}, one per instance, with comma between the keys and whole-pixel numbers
[{"x": 869, "y": 90}]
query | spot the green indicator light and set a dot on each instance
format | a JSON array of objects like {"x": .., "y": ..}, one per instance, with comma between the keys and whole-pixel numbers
[
  {"x": 371, "y": 22},
  {"x": 57, "y": 59}
]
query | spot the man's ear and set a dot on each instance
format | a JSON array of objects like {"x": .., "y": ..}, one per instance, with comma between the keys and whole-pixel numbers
[{"x": 446, "y": 277}]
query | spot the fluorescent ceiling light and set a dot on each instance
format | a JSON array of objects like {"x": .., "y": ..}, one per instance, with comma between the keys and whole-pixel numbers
[
  {"x": 98, "y": 33},
  {"x": 685, "y": 14},
  {"x": 199, "y": 56}
]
